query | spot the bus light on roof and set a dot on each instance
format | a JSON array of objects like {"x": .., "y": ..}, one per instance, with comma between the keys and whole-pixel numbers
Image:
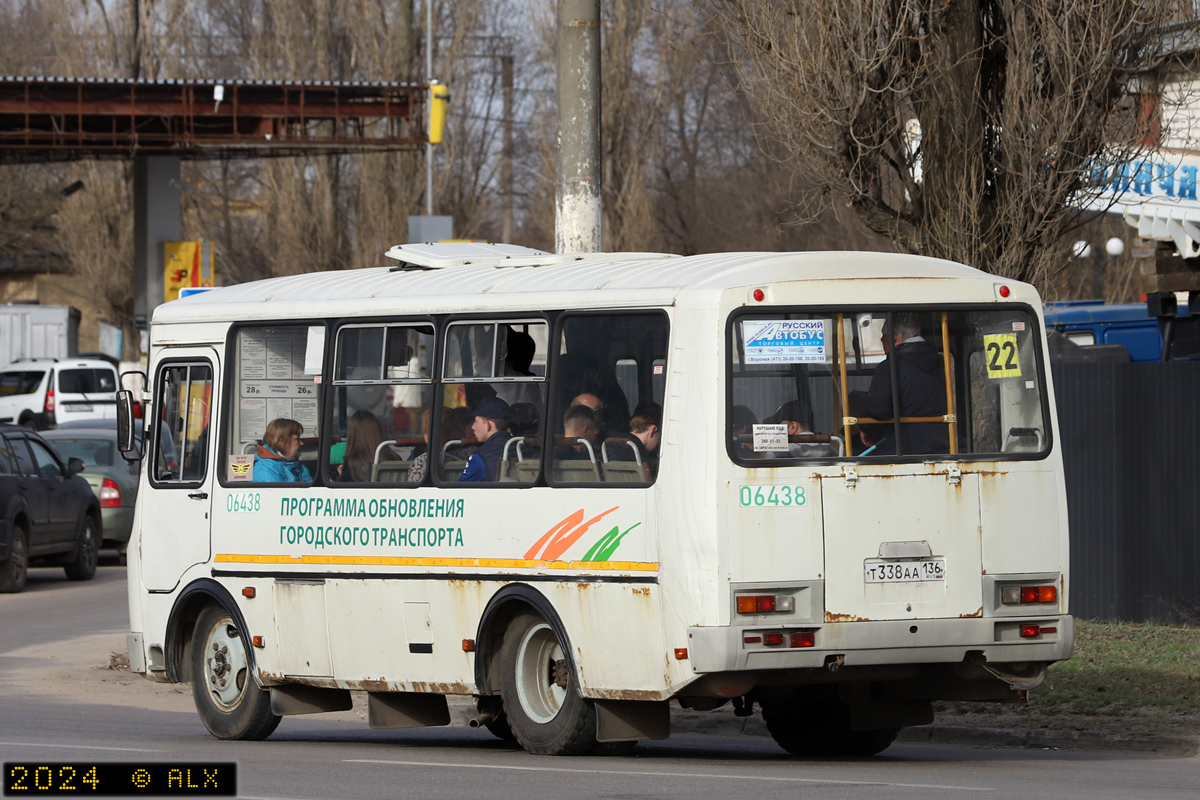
[
  {"x": 759, "y": 295},
  {"x": 1005, "y": 291}
]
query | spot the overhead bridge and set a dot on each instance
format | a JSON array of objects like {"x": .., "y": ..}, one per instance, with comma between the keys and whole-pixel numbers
[{"x": 62, "y": 119}]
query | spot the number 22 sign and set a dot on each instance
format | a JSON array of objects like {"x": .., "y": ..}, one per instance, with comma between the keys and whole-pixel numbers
[{"x": 1001, "y": 352}]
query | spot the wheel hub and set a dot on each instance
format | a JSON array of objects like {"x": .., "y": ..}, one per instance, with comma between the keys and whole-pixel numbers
[
  {"x": 226, "y": 665},
  {"x": 542, "y": 674}
]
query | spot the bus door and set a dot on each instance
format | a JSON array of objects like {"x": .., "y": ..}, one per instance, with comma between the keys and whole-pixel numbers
[
  {"x": 902, "y": 546},
  {"x": 175, "y": 507}
]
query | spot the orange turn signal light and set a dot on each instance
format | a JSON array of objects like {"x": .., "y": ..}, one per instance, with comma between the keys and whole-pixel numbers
[
  {"x": 248, "y": 592},
  {"x": 468, "y": 645},
  {"x": 259, "y": 641},
  {"x": 680, "y": 653},
  {"x": 1047, "y": 594}
]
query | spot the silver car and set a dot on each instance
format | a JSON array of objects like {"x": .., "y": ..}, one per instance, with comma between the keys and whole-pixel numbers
[{"x": 114, "y": 480}]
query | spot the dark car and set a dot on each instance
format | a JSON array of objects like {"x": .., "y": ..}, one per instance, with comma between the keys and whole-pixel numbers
[{"x": 48, "y": 513}]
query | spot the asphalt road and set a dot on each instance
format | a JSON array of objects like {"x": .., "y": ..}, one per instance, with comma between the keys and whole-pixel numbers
[{"x": 319, "y": 757}]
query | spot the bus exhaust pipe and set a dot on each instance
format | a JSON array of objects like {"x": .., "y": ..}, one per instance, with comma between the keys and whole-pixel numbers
[{"x": 483, "y": 718}]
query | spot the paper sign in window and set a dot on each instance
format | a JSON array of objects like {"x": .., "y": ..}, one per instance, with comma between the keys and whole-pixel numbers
[
  {"x": 770, "y": 438},
  {"x": 1000, "y": 350}
]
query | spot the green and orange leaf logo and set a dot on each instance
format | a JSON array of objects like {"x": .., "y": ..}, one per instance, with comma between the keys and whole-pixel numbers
[{"x": 571, "y": 529}]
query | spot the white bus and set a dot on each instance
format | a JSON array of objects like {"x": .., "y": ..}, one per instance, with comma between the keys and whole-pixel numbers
[{"x": 580, "y": 488}]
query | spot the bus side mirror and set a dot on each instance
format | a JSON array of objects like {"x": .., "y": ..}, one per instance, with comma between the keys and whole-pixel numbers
[{"x": 125, "y": 432}]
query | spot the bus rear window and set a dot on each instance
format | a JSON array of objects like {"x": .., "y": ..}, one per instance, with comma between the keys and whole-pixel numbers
[{"x": 905, "y": 383}]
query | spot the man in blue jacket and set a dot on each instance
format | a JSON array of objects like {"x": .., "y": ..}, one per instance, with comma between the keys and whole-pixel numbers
[{"x": 491, "y": 431}]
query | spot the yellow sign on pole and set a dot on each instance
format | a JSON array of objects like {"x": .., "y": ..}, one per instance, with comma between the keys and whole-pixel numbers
[{"x": 183, "y": 268}]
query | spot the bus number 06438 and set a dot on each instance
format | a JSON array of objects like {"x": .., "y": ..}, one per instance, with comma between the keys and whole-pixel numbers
[{"x": 772, "y": 496}]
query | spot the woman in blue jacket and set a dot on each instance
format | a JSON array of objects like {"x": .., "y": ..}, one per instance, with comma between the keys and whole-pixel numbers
[{"x": 275, "y": 461}]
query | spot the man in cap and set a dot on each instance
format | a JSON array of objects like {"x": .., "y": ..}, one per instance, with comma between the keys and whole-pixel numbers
[{"x": 490, "y": 427}]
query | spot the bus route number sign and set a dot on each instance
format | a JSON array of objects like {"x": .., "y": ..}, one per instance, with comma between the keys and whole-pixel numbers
[{"x": 772, "y": 496}]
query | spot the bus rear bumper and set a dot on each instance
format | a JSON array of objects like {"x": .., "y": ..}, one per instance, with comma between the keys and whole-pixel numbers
[{"x": 927, "y": 641}]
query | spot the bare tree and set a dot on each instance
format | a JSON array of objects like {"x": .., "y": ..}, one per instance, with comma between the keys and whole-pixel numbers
[{"x": 961, "y": 129}]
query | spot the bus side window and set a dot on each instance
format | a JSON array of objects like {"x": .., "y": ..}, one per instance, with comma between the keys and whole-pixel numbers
[
  {"x": 382, "y": 404},
  {"x": 609, "y": 383},
  {"x": 184, "y": 402},
  {"x": 493, "y": 402},
  {"x": 275, "y": 379}
]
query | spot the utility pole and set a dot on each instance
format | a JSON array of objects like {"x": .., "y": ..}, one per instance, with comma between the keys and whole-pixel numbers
[
  {"x": 506, "y": 156},
  {"x": 578, "y": 209},
  {"x": 429, "y": 80}
]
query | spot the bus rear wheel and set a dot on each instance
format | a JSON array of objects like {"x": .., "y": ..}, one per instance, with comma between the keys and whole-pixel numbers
[
  {"x": 821, "y": 728},
  {"x": 231, "y": 705},
  {"x": 545, "y": 711}
]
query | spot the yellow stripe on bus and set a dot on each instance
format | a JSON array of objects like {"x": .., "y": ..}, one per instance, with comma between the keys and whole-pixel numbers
[{"x": 400, "y": 561}]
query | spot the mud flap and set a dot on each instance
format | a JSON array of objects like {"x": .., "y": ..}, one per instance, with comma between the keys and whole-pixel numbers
[
  {"x": 632, "y": 720},
  {"x": 295, "y": 698},
  {"x": 407, "y": 710}
]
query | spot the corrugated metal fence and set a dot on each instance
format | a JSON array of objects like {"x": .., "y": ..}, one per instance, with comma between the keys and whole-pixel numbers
[{"x": 1131, "y": 443}]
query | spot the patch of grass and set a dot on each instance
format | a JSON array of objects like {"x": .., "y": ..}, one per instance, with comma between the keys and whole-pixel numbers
[
  {"x": 1123, "y": 677},
  {"x": 1125, "y": 668}
]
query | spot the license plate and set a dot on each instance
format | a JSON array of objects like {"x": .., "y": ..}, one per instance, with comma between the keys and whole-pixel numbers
[
  {"x": 929, "y": 569},
  {"x": 87, "y": 407}
]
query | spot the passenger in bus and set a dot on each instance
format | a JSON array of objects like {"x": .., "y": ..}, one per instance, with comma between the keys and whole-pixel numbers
[
  {"x": 646, "y": 427},
  {"x": 491, "y": 431},
  {"x": 920, "y": 372},
  {"x": 799, "y": 420},
  {"x": 363, "y": 436},
  {"x": 744, "y": 421},
  {"x": 521, "y": 349},
  {"x": 420, "y": 454},
  {"x": 581, "y": 374},
  {"x": 275, "y": 460},
  {"x": 579, "y": 423},
  {"x": 523, "y": 419}
]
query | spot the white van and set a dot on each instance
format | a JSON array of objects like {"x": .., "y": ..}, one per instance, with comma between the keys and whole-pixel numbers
[{"x": 42, "y": 393}]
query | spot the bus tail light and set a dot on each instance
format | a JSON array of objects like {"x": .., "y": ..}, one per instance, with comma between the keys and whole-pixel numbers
[
  {"x": 803, "y": 639},
  {"x": 772, "y": 639},
  {"x": 1023, "y": 595},
  {"x": 1031, "y": 631},
  {"x": 110, "y": 494},
  {"x": 765, "y": 603}
]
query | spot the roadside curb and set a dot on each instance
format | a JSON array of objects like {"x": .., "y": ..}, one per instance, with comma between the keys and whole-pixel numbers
[{"x": 723, "y": 723}]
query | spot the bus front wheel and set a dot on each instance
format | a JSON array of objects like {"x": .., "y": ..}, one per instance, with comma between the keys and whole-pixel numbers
[
  {"x": 545, "y": 711},
  {"x": 231, "y": 705}
]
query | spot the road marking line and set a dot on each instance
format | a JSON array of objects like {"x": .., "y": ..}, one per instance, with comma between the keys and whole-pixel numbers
[
  {"x": 778, "y": 779},
  {"x": 83, "y": 747}
]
